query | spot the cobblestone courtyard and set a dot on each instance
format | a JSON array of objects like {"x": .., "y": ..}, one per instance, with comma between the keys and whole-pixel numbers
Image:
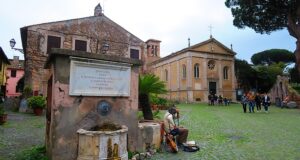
[
  {"x": 221, "y": 132},
  {"x": 21, "y": 131}
]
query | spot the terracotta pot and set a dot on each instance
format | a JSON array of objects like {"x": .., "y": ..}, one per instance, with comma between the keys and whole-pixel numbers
[
  {"x": 38, "y": 111},
  {"x": 3, "y": 118},
  {"x": 154, "y": 107}
]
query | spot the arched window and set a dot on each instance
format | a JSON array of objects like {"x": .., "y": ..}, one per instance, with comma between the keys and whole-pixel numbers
[
  {"x": 196, "y": 70},
  {"x": 166, "y": 75},
  {"x": 225, "y": 72},
  {"x": 183, "y": 71}
]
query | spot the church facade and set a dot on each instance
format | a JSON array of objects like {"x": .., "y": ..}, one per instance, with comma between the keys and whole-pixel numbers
[{"x": 192, "y": 73}]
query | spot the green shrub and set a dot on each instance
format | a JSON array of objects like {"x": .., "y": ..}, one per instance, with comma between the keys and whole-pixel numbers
[
  {"x": 296, "y": 87},
  {"x": 34, "y": 153},
  {"x": 2, "y": 109},
  {"x": 156, "y": 114},
  {"x": 27, "y": 91},
  {"x": 162, "y": 101},
  {"x": 153, "y": 99},
  {"x": 36, "y": 102}
]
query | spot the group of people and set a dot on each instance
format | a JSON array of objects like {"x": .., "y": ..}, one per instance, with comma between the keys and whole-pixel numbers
[
  {"x": 250, "y": 99},
  {"x": 257, "y": 100},
  {"x": 214, "y": 99}
]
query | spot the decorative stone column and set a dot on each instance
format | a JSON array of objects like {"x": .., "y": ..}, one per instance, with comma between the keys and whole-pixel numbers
[
  {"x": 178, "y": 78},
  {"x": 189, "y": 78},
  {"x": 233, "y": 81},
  {"x": 205, "y": 86},
  {"x": 220, "y": 87}
]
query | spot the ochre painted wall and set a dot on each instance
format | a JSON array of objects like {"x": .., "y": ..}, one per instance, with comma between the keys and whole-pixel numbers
[{"x": 198, "y": 88}]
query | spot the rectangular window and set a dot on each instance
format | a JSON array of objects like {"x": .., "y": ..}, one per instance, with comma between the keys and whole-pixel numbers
[
  {"x": 53, "y": 42},
  {"x": 152, "y": 50},
  {"x": 13, "y": 73},
  {"x": 155, "y": 51},
  {"x": 134, "y": 53},
  {"x": 80, "y": 45}
]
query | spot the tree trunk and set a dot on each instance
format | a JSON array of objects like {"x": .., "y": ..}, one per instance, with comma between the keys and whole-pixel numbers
[
  {"x": 294, "y": 29},
  {"x": 297, "y": 54},
  {"x": 146, "y": 108}
]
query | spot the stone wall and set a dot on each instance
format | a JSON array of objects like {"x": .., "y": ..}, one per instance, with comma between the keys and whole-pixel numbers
[
  {"x": 96, "y": 30},
  {"x": 71, "y": 113},
  {"x": 280, "y": 88}
]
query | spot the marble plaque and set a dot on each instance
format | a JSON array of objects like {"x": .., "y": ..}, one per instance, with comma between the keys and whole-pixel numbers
[{"x": 99, "y": 79}]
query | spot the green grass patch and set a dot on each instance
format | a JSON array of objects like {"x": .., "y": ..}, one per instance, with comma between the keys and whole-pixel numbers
[
  {"x": 225, "y": 132},
  {"x": 34, "y": 153}
]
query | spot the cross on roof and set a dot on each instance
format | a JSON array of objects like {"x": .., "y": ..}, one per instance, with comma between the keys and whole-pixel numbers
[{"x": 210, "y": 30}]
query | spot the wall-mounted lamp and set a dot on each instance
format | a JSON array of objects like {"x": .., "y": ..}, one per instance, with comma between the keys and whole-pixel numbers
[
  {"x": 105, "y": 47},
  {"x": 12, "y": 44}
]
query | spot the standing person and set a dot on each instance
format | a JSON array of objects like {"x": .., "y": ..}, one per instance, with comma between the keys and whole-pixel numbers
[
  {"x": 209, "y": 99},
  {"x": 215, "y": 99},
  {"x": 174, "y": 129},
  {"x": 266, "y": 102},
  {"x": 244, "y": 101},
  {"x": 212, "y": 99},
  {"x": 258, "y": 102},
  {"x": 220, "y": 100},
  {"x": 225, "y": 101},
  {"x": 251, "y": 101}
]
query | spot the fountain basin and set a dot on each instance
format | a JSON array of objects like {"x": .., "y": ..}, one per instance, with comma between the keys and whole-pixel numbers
[{"x": 103, "y": 144}]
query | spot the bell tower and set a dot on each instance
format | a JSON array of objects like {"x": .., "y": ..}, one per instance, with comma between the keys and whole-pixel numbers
[
  {"x": 153, "y": 50},
  {"x": 98, "y": 10}
]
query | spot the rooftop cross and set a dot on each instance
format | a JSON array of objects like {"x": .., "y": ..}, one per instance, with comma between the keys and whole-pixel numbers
[{"x": 210, "y": 30}]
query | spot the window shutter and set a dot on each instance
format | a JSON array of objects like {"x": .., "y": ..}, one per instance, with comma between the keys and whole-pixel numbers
[
  {"x": 53, "y": 42},
  {"x": 80, "y": 45},
  {"x": 13, "y": 73},
  {"x": 134, "y": 53}
]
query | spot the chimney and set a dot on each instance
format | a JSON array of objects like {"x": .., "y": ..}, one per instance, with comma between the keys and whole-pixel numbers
[
  {"x": 98, "y": 10},
  {"x": 16, "y": 58}
]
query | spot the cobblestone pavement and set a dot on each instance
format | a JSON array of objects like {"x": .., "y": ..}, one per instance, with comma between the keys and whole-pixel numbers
[{"x": 21, "y": 131}]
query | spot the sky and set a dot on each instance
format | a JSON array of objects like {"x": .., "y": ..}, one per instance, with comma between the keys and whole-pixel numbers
[{"x": 170, "y": 21}]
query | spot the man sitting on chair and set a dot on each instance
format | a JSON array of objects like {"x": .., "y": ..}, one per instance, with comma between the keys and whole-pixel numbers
[{"x": 174, "y": 129}]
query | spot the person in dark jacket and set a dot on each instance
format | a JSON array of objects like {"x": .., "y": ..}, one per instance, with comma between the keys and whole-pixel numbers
[
  {"x": 258, "y": 102},
  {"x": 244, "y": 101},
  {"x": 220, "y": 100},
  {"x": 210, "y": 97},
  {"x": 266, "y": 102}
]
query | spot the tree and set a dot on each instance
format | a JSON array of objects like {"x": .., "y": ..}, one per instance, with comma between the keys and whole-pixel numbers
[
  {"x": 295, "y": 76},
  {"x": 245, "y": 74},
  {"x": 149, "y": 84},
  {"x": 273, "y": 56},
  {"x": 260, "y": 77},
  {"x": 267, "y": 76},
  {"x": 265, "y": 16}
]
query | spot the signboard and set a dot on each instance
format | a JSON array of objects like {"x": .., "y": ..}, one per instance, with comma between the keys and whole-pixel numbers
[{"x": 99, "y": 79}]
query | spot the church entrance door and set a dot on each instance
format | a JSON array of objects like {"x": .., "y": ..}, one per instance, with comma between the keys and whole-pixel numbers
[{"x": 212, "y": 87}]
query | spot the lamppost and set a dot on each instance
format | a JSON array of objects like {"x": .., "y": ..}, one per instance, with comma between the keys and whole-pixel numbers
[{"x": 12, "y": 43}]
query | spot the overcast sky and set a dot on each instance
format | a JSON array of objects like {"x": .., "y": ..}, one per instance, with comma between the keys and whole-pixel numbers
[{"x": 171, "y": 21}]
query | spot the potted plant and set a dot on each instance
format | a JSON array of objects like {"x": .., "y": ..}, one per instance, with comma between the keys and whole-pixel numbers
[
  {"x": 37, "y": 103},
  {"x": 3, "y": 115}
]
